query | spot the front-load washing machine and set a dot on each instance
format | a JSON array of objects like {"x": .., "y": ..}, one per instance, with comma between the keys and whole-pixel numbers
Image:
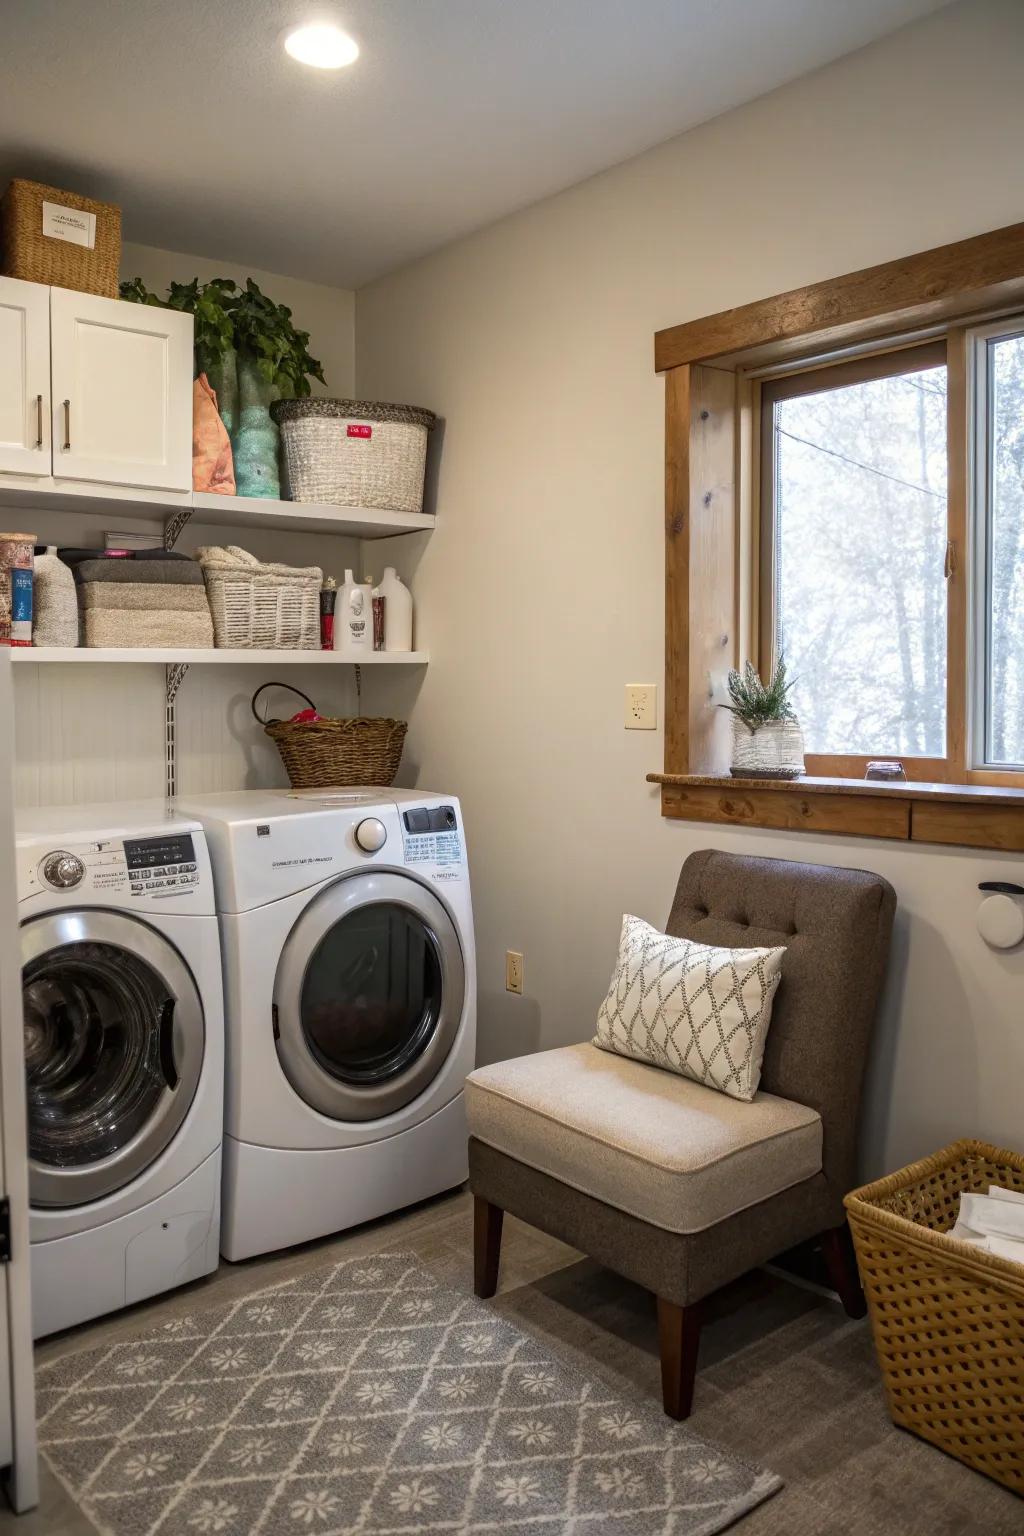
[
  {"x": 350, "y": 1006},
  {"x": 124, "y": 1055}
]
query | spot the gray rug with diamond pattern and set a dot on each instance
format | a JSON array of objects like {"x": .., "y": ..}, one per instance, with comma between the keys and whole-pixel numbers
[{"x": 368, "y": 1398}]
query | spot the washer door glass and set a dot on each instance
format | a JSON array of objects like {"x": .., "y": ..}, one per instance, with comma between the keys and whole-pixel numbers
[
  {"x": 113, "y": 1051},
  {"x": 369, "y": 996}
]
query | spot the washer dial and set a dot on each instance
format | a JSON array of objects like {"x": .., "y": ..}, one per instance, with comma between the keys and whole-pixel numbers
[{"x": 62, "y": 870}]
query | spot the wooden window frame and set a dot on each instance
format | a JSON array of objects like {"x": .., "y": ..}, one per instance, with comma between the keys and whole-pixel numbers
[{"x": 713, "y": 392}]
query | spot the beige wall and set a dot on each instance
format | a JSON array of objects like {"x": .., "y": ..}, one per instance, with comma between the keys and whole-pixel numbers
[
  {"x": 97, "y": 733},
  {"x": 540, "y": 595}
]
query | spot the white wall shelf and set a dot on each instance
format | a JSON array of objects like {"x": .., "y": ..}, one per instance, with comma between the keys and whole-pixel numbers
[
  {"x": 222, "y": 511},
  {"x": 171, "y": 657}
]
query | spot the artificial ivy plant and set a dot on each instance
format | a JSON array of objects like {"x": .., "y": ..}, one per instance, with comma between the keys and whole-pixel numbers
[{"x": 227, "y": 316}]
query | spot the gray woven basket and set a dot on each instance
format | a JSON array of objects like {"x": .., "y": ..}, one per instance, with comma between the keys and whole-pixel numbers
[{"x": 354, "y": 453}]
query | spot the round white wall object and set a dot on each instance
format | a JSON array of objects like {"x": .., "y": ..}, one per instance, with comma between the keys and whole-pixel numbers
[{"x": 1001, "y": 921}]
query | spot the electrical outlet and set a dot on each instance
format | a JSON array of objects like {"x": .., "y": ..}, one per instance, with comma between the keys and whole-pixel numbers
[
  {"x": 641, "y": 706},
  {"x": 513, "y": 971}
]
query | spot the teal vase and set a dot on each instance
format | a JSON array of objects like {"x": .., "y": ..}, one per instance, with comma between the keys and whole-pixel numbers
[
  {"x": 255, "y": 439},
  {"x": 223, "y": 377}
]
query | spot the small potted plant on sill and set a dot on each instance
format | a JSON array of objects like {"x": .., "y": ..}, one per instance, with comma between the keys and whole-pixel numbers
[{"x": 767, "y": 742}]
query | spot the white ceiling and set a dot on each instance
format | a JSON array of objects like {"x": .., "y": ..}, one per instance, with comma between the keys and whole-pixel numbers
[{"x": 190, "y": 115}]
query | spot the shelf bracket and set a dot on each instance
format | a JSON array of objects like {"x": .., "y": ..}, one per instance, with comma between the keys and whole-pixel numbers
[
  {"x": 174, "y": 525},
  {"x": 174, "y": 676}
]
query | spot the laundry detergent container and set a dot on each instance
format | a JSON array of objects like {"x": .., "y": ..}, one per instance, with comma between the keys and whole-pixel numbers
[{"x": 354, "y": 453}]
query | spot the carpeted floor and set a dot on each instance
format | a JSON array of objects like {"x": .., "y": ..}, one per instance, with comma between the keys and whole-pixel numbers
[
  {"x": 785, "y": 1380},
  {"x": 365, "y": 1397}
]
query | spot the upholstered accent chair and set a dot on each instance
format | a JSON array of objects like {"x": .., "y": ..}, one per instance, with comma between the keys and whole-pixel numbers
[{"x": 674, "y": 1185}]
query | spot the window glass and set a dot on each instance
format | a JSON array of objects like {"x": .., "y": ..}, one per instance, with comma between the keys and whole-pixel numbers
[
  {"x": 1004, "y": 586},
  {"x": 860, "y": 542}
]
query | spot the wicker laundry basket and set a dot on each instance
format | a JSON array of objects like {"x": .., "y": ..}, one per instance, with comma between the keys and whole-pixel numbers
[
  {"x": 258, "y": 607},
  {"x": 354, "y": 453},
  {"x": 326, "y": 754},
  {"x": 948, "y": 1319},
  {"x": 87, "y": 258}
]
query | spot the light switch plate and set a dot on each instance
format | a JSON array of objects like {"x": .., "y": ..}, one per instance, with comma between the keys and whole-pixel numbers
[
  {"x": 513, "y": 971},
  {"x": 641, "y": 706}
]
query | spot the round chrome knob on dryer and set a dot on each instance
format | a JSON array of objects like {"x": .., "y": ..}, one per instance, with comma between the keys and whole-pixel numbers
[
  {"x": 62, "y": 870},
  {"x": 371, "y": 835}
]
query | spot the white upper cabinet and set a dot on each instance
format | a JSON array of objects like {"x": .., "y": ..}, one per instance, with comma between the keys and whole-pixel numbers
[
  {"x": 121, "y": 392},
  {"x": 24, "y": 377}
]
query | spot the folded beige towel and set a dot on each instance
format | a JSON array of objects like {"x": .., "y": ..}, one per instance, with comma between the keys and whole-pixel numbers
[
  {"x": 139, "y": 595},
  {"x": 152, "y": 627}
]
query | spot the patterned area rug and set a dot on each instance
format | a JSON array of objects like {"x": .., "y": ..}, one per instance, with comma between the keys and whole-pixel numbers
[{"x": 367, "y": 1398}]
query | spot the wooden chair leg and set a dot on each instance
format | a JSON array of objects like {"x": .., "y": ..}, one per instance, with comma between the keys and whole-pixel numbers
[
  {"x": 487, "y": 1220},
  {"x": 837, "y": 1249},
  {"x": 679, "y": 1335}
]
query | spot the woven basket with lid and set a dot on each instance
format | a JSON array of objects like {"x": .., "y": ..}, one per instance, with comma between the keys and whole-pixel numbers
[
  {"x": 948, "y": 1318},
  {"x": 354, "y": 453}
]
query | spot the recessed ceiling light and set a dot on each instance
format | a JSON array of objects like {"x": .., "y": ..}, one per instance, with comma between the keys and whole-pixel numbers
[{"x": 322, "y": 47}]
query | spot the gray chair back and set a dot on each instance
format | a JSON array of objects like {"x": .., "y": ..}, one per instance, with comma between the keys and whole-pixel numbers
[{"x": 836, "y": 925}]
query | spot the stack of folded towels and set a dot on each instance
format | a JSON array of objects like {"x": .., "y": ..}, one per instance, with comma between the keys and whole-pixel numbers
[
  {"x": 150, "y": 598},
  {"x": 994, "y": 1222}
]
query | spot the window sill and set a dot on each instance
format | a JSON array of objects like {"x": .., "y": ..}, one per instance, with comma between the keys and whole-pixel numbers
[{"x": 962, "y": 815}]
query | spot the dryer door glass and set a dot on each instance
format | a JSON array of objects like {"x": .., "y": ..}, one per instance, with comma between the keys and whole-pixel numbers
[
  {"x": 110, "y": 1015},
  {"x": 369, "y": 996}
]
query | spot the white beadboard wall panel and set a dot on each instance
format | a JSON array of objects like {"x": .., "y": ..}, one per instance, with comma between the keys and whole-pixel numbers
[{"x": 81, "y": 739}]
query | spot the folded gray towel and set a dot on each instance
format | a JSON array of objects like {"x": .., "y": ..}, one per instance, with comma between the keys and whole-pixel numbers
[{"x": 176, "y": 572}]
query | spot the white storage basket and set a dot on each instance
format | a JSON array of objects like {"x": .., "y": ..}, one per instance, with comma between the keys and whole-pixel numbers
[
  {"x": 259, "y": 607},
  {"x": 354, "y": 453}
]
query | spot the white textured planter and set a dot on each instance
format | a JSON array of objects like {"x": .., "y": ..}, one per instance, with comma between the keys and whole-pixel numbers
[{"x": 773, "y": 751}]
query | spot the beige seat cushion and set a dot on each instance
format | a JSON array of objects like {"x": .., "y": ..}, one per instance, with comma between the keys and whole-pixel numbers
[{"x": 674, "y": 1153}]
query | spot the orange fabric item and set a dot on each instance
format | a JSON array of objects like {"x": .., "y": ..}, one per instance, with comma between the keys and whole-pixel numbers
[{"x": 213, "y": 468}]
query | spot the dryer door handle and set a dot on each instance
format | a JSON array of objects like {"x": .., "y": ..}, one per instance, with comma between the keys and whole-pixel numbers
[{"x": 167, "y": 1061}]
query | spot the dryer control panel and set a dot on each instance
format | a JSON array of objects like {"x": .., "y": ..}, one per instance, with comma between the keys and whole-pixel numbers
[{"x": 432, "y": 836}]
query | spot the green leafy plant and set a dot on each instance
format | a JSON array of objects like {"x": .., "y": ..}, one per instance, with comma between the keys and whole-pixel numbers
[
  {"x": 228, "y": 316},
  {"x": 266, "y": 330},
  {"x": 757, "y": 703}
]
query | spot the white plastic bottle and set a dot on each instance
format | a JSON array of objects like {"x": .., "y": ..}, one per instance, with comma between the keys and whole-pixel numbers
[
  {"x": 353, "y": 619},
  {"x": 397, "y": 611}
]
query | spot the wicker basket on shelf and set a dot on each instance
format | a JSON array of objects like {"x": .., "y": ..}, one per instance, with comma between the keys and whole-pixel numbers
[
  {"x": 86, "y": 257},
  {"x": 326, "y": 754},
  {"x": 948, "y": 1318},
  {"x": 354, "y": 453},
  {"x": 260, "y": 607}
]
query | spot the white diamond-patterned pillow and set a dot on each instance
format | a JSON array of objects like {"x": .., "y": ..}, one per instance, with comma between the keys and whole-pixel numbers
[{"x": 690, "y": 1008}]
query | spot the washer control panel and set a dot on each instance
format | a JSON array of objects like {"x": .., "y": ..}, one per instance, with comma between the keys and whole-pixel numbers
[
  {"x": 161, "y": 863},
  {"x": 154, "y": 869}
]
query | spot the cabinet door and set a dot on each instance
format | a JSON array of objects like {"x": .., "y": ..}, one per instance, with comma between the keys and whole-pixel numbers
[
  {"x": 24, "y": 377},
  {"x": 122, "y": 392}
]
